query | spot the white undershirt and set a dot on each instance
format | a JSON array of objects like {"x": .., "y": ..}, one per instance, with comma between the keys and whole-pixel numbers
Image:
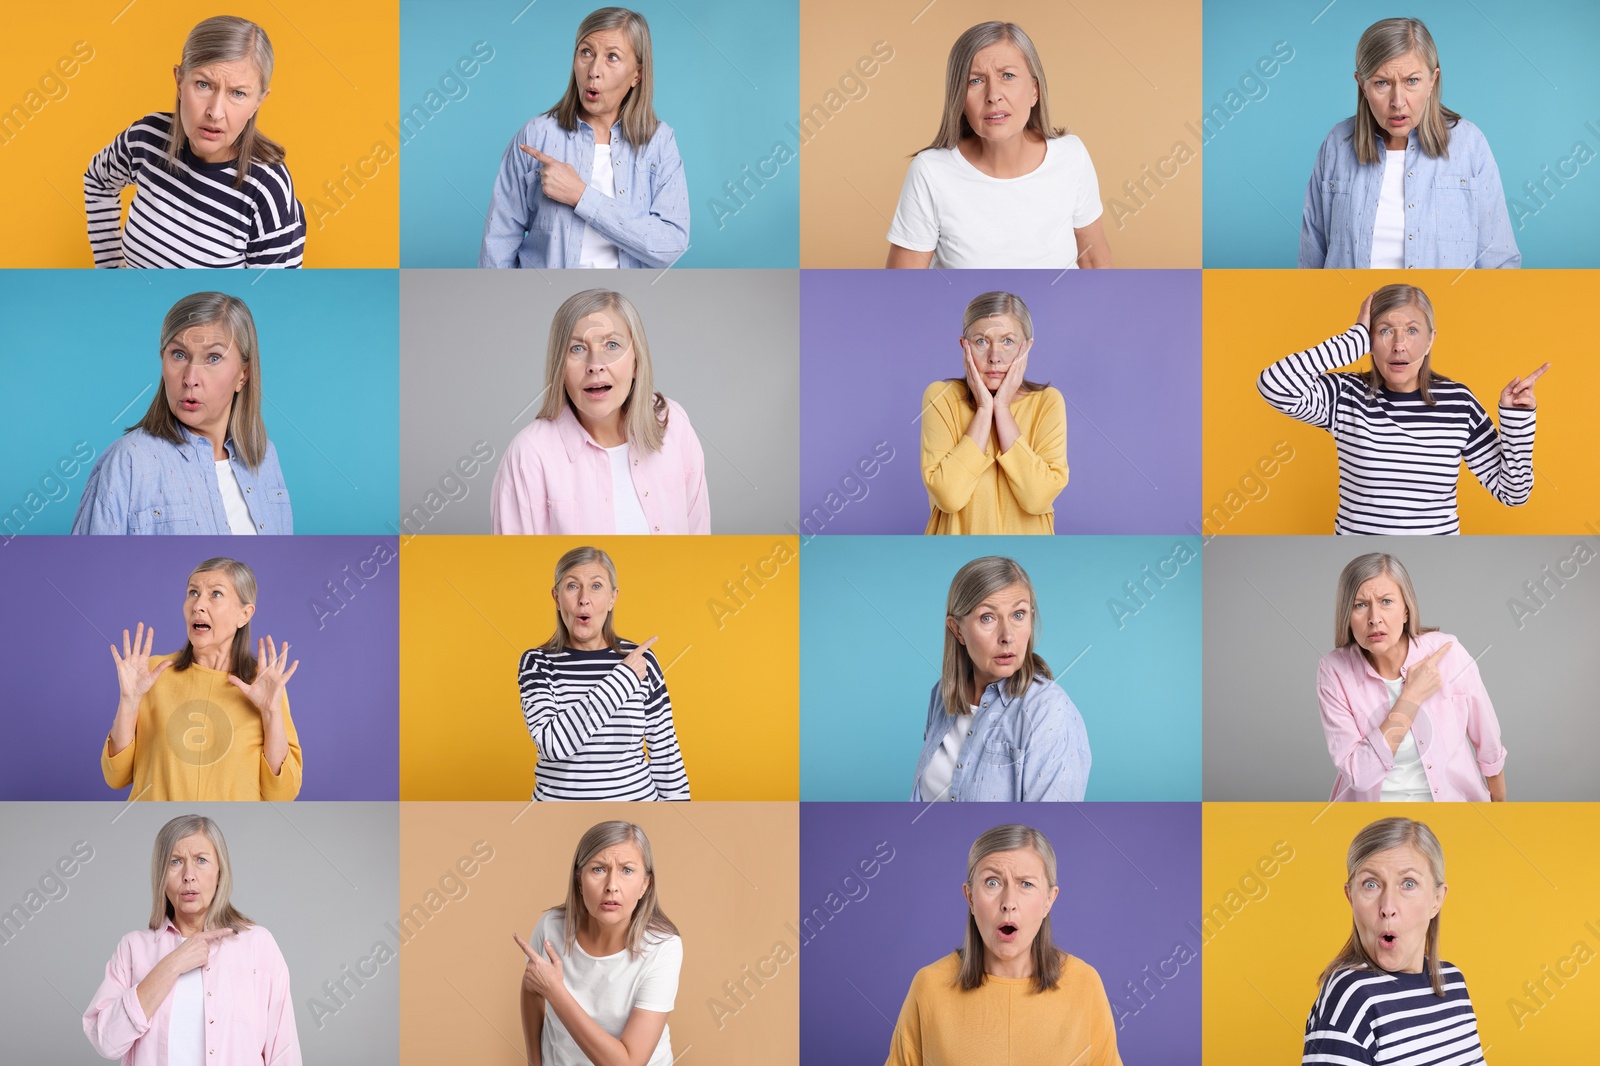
[
  {"x": 942, "y": 767},
  {"x": 596, "y": 250},
  {"x": 186, "y": 1029},
  {"x": 625, "y": 507},
  {"x": 1407, "y": 781},
  {"x": 239, "y": 522},
  {"x": 1389, "y": 229}
]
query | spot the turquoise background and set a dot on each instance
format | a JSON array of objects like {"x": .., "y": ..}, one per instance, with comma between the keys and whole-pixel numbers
[
  {"x": 872, "y": 636},
  {"x": 726, "y": 80},
  {"x": 82, "y": 365},
  {"x": 1522, "y": 71}
]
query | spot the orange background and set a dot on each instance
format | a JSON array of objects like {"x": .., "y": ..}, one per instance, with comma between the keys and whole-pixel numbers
[{"x": 1123, "y": 77}]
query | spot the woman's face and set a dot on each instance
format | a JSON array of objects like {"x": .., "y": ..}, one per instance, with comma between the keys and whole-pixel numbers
[
  {"x": 1010, "y": 896},
  {"x": 1000, "y": 92},
  {"x": 1397, "y": 93},
  {"x": 192, "y": 872},
  {"x": 613, "y": 881},
  {"x": 605, "y": 68},
  {"x": 213, "y": 613},
  {"x": 201, "y": 372},
  {"x": 217, "y": 102},
  {"x": 996, "y": 633},
  {"x": 994, "y": 344},
  {"x": 600, "y": 366},
  {"x": 1401, "y": 339},
  {"x": 585, "y": 597},
  {"x": 1392, "y": 899},
  {"x": 1378, "y": 616}
]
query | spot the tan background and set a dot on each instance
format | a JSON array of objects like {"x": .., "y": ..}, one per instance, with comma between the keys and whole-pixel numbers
[
  {"x": 728, "y": 875},
  {"x": 1123, "y": 77}
]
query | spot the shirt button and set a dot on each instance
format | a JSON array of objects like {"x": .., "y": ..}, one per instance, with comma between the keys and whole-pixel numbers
[
  {"x": 1408, "y": 236},
  {"x": 969, "y": 732},
  {"x": 158, "y": 514},
  {"x": 1411, "y": 173},
  {"x": 658, "y": 529},
  {"x": 247, "y": 488},
  {"x": 958, "y": 766},
  {"x": 647, "y": 492},
  {"x": 1411, "y": 205}
]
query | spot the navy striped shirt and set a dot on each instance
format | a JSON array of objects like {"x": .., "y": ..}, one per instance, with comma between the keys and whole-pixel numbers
[
  {"x": 1365, "y": 1017},
  {"x": 592, "y": 719},
  {"x": 1399, "y": 458},
  {"x": 190, "y": 216}
]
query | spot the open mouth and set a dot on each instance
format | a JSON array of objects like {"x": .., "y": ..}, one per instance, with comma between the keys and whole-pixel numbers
[
  {"x": 996, "y": 117},
  {"x": 597, "y": 390},
  {"x": 200, "y": 627},
  {"x": 1008, "y": 930},
  {"x": 1005, "y": 659},
  {"x": 583, "y": 617},
  {"x": 1398, "y": 120},
  {"x": 1388, "y": 939},
  {"x": 591, "y": 95}
]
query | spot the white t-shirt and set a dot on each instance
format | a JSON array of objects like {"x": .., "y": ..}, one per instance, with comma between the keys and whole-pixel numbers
[
  {"x": 1407, "y": 781},
  {"x": 608, "y": 989},
  {"x": 969, "y": 220},
  {"x": 942, "y": 767},
  {"x": 186, "y": 1028},
  {"x": 239, "y": 522},
  {"x": 596, "y": 250},
  {"x": 625, "y": 506},
  {"x": 1389, "y": 228}
]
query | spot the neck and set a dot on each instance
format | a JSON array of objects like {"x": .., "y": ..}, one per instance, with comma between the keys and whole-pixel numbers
[
  {"x": 980, "y": 682},
  {"x": 187, "y": 926},
  {"x": 1021, "y": 966},
  {"x": 602, "y": 126},
  {"x": 1389, "y": 663},
  {"x": 599, "y": 940},
  {"x": 218, "y": 436},
  {"x": 214, "y": 658},
  {"x": 1003, "y": 159},
  {"x": 608, "y": 433}
]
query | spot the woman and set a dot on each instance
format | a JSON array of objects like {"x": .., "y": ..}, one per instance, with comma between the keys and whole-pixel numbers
[
  {"x": 602, "y": 968},
  {"x": 607, "y": 453},
  {"x": 211, "y": 189},
  {"x": 1401, "y": 428},
  {"x": 994, "y": 444},
  {"x": 999, "y": 728},
  {"x": 1008, "y": 994},
  {"x": 203, "y": 984},
  {"x": 1406, "y": 182},
  {"x": 593, "y": 702},
  {"x": 595, "y": 181},
  {"x": 999, "y": 187},
  {"x": 199, "y": 462},
  {"x": 1388, "y": 996},
  {"x": 1400, "y": 700},
  {"x": 212, "y": 721}
]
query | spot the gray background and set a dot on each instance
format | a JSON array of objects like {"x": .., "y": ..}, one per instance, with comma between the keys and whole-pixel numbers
[
  {"x": 1269, "y": 618},
  {"x": 321, "y": 877},
  {"x": 725, "y": 344}
]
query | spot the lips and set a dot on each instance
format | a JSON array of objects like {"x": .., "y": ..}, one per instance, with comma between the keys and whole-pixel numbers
[
  {"x": 1007, "y": 931},
  {"x": 591, "y": 95},
  {"x": 596, "y": 391},
  {"x": 1388, "y": 940},
  {"x": 1005, "y": 660}
]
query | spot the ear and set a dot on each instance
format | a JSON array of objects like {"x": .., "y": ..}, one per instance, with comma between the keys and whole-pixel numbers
[
  {"x": 249, "y": 612},
  {"x": 950, "y": 623},
  {"x": 966, "y": 890},
  {"x": 1055, "y": 890},
  {"x": 177, "y": 75},
  {"x": 1347, "y": 893},
  {"x": 1438, "y": 901}
]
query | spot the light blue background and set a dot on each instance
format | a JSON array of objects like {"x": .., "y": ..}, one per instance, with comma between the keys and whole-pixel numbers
[
  {"x": 872, "y": 636},
  {"x": 726, "y": 81},
  {"x": 1523, "y": 71},
  {"x": 81, "y": 364}
]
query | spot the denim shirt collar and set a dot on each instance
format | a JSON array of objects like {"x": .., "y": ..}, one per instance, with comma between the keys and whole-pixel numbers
[{"x": 198, "y": 440}]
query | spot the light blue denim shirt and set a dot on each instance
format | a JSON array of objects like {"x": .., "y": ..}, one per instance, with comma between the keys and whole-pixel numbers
[
  {"x": 143, "y": 484},
  {"x": 648, "y": 220},
  {"x": 1028, "y": 747},
  {"x": 1455, "y": 208}
]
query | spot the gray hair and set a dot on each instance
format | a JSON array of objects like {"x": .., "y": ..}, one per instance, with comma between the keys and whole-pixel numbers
[
  {"x": 648, "y": 917},
  {"x": 954, "y": 125},
  {"x": 227, "y": 39},
  {"x": 973, "y": 582},
  {"x": 221, "y": 913},
  {"x": 569, "y": 562},
  {"x": 1046, "y": 956},
  {"x": 242, "y": 660},
  {"x": 1384, "y": 835},
  {"x": 637, "y": 115},
  {"x": 1387, "y": 299},
  {"x": 646, "y": 423},
  {"x": 1383, "y": 41}
]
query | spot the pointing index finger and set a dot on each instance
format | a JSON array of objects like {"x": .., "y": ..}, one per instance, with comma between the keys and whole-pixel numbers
[
  {"x": 540, "y": 156},
  {"x": 523, "y": 944},
  {"x": 1536, "y": 375}
]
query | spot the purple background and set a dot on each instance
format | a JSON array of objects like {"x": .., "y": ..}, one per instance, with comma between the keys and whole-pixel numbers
[
  {"x": 58, "y": 683},
  {"x": 1123, "y": 347},
  {"x": 1130, "y": 884}
]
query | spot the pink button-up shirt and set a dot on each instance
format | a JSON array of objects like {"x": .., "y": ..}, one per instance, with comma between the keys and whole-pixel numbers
[
  {"x": 1355, "y": 703},
  {"x": 555, "y": 479},
  {"x": 248, "y": 1011}
]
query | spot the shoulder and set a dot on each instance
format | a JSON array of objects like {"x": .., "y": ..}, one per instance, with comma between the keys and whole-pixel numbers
[
  {"x": 260, "y": 941},
  {"x": 270, "y": 183},
  {"x": 133, "y": 452},
  {"x": 541, "y": 131},
  {"x": 1458, "y": 656},
  {"x": 534, "y": 658},
  {"x": 661, "y": 946},
  {"x": 1340, "y": 134},
  {"x": 663, "y": 139},
  {"x": 1338, "y": 658},
  {"x": 1068, "y": 148},
  {"x": 535, "y": 438},
  {"x": 1046, "y": 695},
  {"x": 1078, "y": 976},
  {"x": 946, "y": 392},
  {"x": 678, "y": 424},
  {"x": 937, "y": 977},
  {"x": 930, "y": 161},
  {"x": 154, "y": 130},
  {"x": 1467, "y": 133},
  {"x": 551, "y": 926},
  {"x": 1047, "y": 398},
  {"x": 1345, "y": 988}
]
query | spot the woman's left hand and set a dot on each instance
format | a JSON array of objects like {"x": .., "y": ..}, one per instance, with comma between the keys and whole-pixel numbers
[
  {"x": 559, "y": 180},
  {"x": 1007, "y": 392},
  {"x": 1520, "y": 392},
  {"x": 273, "y": 671},
  {"x": 542, "y": 975}
]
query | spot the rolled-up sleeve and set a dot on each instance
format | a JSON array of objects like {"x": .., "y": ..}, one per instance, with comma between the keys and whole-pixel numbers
[
  {"x": 115, "y": 1019},
  {"x": 658, "y": 234},
  {"x": 1355, "y": 742}
]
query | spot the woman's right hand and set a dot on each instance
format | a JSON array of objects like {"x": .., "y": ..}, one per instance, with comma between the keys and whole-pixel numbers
[
  {"x": 981, "y": 396},
  {"x": 134, "y": 676},
  {"x": 635, "y": 660},
  {"x": 195, "y": 950},
  {"x": 1364, "y": 316},
  {"x": 1423, "y": 680}
]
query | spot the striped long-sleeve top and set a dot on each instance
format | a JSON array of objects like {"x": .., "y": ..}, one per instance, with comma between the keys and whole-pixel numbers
[
  {"x": 602, "y": 732},
  {"x": 1365, "y": 1017},
  {"x": 1399, "y": 457},
  {"x": 191, "y": 215}
]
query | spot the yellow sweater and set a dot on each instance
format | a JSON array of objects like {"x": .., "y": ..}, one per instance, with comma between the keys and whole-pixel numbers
[
  {"x": 980, "y": 492},
  {"x": 198, "y": 739},
  {"x": 1004, "y": 1022}
]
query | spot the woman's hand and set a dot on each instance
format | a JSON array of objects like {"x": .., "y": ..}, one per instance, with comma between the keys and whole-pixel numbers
[
  {"x": 1520, "y": 392},
  {"x": 134, "y": 676},
  {"x": 1007, "y": 392},
  {"x": 1364, "y": 316},
  {"x": 1423, "y": 680},
  {"x": 635, "y": 660},
  {"x": 272, "y": 679},
  {"x": 982, "y": 398},
  {"x": 542, "y": 975},
  {"x": 559, "y": 180},
  {"x": 195, "y": 951}
]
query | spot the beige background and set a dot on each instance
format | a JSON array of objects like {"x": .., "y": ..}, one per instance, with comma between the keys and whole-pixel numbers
[
  {"x": 1123, "y": 77},
  {"x": 728, "y": 875}
]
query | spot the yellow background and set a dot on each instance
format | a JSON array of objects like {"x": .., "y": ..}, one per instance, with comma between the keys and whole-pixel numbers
[
  {"x": 852, "y": 169},
  {"x": 1523, "y": 878},
  {"x": 1493, "y": 325},
  {"x": 470, "y": 606},
  {"x": 728, "y": 877},
  {"x": 335, "y": 90}
]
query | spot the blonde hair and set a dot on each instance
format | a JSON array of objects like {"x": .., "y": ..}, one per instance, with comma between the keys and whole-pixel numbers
[
  {"x": 637, "y": 114},
  {"x": 1382, "y": 42},
  {"x": 566, "y": 564},
  {"x": 1390, "y": 298},
  {"x": 1046, "y": 956},
  {"x": 648, "y": 918},
  {"x": 227, "y": 39},
  {"x": 242, "y": 662},
  {"x": 221, "y": 914},
  {"x": 972, "y": 583},
  {"x": 988, "y": 305},
  {"x": 954, "y": 125},
  {"x": 1383, "y": 835},
  {"x": 245, "y": 428},
  {"x": 645, "y": 423}
]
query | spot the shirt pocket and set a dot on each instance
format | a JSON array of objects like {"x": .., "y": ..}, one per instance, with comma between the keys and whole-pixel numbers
[
  {"x": 998, "y": 750},
  {"x": 165, "y": 520},
  {"x": 1455, "y": 220},
  {"x": 566, "y": 517}
]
